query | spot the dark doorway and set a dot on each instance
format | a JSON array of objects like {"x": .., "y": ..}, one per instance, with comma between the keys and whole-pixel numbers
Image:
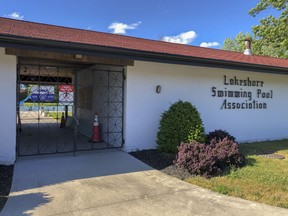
[{"x": 56, "y": 107}]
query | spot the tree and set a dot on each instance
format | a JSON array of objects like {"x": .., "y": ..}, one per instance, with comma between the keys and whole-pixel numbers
[
  {"x": 280, "y": 5},
  {"x": 272, "y": 33},
  {"x": 236, "y": 44},
  {"x": 270, "y": 37}
]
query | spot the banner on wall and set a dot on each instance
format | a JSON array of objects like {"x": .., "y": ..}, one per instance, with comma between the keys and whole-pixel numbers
[
  {"x": 42, "y": 93},
  {"x": 66, "y": 94}
]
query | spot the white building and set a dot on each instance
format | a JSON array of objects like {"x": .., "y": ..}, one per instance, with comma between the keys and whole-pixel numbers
[{"x": 116, "y": 76}]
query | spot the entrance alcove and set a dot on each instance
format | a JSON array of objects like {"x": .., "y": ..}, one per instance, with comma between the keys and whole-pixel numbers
[{"x": 97, "y": 88}]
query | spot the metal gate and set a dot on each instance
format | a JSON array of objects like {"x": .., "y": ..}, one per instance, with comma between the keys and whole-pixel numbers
[{"x": 56, "y": 107}]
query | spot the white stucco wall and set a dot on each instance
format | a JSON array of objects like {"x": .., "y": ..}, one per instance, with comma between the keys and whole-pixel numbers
[
  {"x": 7, "y": 108},
  {"x": 191, "y": 83}
]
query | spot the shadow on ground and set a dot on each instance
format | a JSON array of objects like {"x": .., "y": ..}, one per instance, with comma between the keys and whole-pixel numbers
[
  {"x": 32, "y": 201},
  {"x": 43, "y": 171}
]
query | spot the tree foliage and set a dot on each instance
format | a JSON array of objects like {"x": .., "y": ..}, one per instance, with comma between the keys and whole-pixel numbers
[
  {"x": 236, "y": 44},
  {"x": 270, "y": 37},
  {"x": 264, "y": 4}
]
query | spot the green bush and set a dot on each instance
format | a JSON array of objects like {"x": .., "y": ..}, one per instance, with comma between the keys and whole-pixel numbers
[
  {"x": 197, "y": 134},
  {"x": 180, "y": 123}
]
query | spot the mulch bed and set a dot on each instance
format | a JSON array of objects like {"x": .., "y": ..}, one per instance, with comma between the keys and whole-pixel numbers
[
  {"x": 6, "y": 174},
  {"x": 162, "y": 162}
]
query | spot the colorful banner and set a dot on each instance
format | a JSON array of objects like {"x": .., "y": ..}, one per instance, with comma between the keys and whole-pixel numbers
[
  {"x": 66, "y": 94},
  {"x": 42, "y": 93}
]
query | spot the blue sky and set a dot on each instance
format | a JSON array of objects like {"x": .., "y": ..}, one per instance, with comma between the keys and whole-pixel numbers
[{"x": 194, "y": 22}]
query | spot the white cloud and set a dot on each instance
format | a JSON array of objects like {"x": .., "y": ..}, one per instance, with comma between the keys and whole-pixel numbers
[
  {"x": 183, "y": 38},
  {"x": 120, "y": 28},
  {"x": 15, "y": 15},
  {"x": 209, "y": 44}
]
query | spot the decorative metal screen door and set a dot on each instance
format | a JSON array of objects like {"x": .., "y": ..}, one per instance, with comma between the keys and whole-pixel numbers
[
  {"x": 39, "y": 110},
  {"x": 108, "y": 101},
  {"x": 100, "y": 90}
]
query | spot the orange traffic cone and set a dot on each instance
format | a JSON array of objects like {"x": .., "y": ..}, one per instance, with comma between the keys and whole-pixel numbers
[
  {"x": 63, "y": 121},
  {"x": 96, "y": 132}
]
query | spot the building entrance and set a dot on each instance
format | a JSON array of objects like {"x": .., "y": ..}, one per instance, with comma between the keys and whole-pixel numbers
[{"x": 56, "y": 108}]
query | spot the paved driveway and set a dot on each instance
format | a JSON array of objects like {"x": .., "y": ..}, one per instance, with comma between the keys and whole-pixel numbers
[{"x": 113, "y": 183}]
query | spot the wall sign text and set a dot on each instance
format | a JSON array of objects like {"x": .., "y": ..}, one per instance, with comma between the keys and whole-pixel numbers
[{"x": 250, "y": 94}]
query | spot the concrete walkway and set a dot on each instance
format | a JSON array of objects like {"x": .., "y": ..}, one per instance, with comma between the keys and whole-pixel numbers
[{"x": 113, "y": 183}]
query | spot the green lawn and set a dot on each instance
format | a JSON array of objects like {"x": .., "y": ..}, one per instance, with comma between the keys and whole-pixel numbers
[
  {"x": 262, "y": 180},
  {"x": 57, "y": 115},
  {"x": 36, "y": 104}
]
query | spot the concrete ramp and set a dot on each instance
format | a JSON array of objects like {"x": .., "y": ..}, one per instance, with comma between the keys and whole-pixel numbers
[{"x": 113, "y": 183}]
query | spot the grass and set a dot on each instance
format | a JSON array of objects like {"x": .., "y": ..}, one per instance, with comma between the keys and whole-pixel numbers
[
  {"x": 262, "y": 180},
  {"x": 57, "y": 115},
  {"x": 36, "y": 103}
]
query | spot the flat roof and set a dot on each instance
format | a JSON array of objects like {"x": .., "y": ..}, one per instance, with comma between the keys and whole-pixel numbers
[{"x": 31, "y": 31}]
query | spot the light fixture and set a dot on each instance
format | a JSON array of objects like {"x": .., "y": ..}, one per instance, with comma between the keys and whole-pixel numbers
[
  {"x": 78, "y": 56},
  {"x": 158, "y": 89}
]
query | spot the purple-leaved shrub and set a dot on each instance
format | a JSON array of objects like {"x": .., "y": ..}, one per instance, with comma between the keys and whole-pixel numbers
[{"x": 209, "y": 160}]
